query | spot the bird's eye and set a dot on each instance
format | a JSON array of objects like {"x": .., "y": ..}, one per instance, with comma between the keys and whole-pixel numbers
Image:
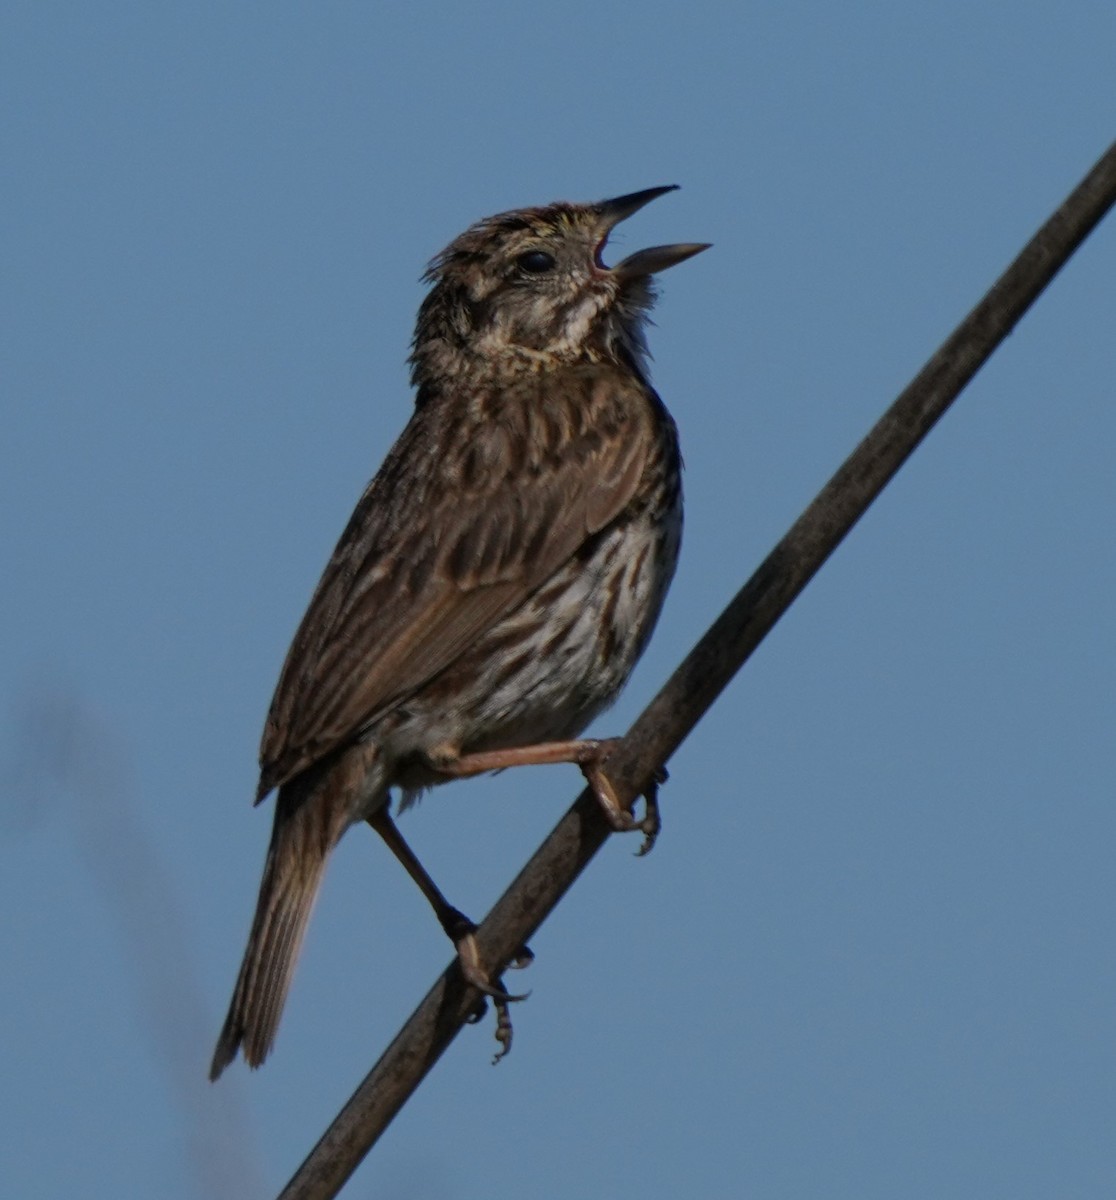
[{"x": 535, "y": 262}]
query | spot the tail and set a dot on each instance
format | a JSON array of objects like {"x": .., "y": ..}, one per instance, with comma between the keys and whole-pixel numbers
[{"x": 306, "y": 829}]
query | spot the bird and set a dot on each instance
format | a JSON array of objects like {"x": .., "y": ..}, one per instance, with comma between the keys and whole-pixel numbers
[{"x": 497, "y": 581}]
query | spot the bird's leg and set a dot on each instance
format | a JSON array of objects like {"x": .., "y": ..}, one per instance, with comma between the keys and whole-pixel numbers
[
  {"x": 589, "y": 754},
  {"x": 458, "y": 928}
]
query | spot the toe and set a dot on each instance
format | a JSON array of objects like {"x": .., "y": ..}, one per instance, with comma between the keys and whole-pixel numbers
[{"x": 475, "y": 975}]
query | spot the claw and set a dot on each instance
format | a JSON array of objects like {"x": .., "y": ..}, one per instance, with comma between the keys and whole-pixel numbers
[
  {"x": 476, "y": 976},
  {"x": 652, "y": 822},
  {"x": 469, "y": 958},
  {"x": 503, "y": 1030},
  {"x": 524, "y": 957},
  {"x": 618, "y": 817}
]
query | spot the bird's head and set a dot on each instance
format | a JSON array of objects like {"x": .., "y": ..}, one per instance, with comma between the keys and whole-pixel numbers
[{"x": 530, "y": 286}]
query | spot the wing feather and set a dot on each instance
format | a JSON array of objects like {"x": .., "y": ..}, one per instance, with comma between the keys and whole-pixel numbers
[{"x": 475, "y": 507}]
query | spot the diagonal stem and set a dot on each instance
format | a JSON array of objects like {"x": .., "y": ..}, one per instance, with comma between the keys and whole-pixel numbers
[{"x": 694, "y": 686}]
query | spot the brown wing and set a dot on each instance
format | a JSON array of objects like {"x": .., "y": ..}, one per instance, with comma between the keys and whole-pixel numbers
[{"x": 477, "y": 504}]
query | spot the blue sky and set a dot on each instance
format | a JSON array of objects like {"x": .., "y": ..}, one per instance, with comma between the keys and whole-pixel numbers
[{"x": 873, "y": 953}]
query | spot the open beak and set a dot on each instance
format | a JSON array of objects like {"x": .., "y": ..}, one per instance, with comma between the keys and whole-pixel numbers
[
  {"x": 657, "y": 258},
  {"x": 620, "y": 209}
]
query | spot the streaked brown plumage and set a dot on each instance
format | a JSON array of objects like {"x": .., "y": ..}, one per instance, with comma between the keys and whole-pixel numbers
[{"x": 498, "y": 580}]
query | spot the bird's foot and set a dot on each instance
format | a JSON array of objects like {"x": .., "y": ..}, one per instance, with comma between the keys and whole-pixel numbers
[
  {"x": 476, "y": 976},
  {"x": 460, "y": 930},
  {"x": 503, "y": 1032},
  {"x": 468, "y": 955},
  {"x": 621, "y": 820}
]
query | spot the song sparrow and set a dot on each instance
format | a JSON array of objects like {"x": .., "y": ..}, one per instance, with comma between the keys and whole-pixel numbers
[{"x": 498, "y": 580}]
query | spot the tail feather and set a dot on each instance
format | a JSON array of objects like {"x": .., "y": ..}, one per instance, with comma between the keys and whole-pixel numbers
[{"x": 304, "y": 833}]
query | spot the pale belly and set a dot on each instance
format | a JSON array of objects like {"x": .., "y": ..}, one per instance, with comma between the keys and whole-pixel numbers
[{"x": 545, "y": 671}]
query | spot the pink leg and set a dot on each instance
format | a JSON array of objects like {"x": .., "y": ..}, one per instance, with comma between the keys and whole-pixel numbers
[
  {"x": 588, "y": 753},
  {"x": 458, "y": 928}
]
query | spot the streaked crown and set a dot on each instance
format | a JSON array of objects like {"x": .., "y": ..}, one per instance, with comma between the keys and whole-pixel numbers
[{"x": 530, "y": 286}]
